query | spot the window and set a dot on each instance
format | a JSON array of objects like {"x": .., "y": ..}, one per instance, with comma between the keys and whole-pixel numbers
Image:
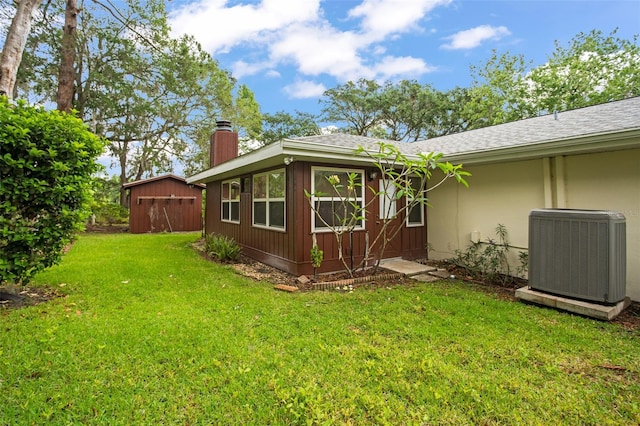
[
  {"x": 269, "y": 199},
  {"x": 231, "y": 201},
  {"x": 334, "y": 204},
  {"x": 388, "y": 199},
  {"x": 415, "y": 212}
]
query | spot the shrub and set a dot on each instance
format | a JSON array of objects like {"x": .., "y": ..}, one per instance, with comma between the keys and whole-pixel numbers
[
  {"x": 46, "y": 162},
  {"x": 111, "y": 213},
  {"x": 222, "y": 247},
  {"x": 487, "y": 260}
]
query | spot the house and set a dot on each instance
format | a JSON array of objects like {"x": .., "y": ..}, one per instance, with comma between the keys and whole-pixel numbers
[
  {"x": 259, "y": 200},
  {"x": 587, "y": 158},
  {"x": 164, "y": 204}
]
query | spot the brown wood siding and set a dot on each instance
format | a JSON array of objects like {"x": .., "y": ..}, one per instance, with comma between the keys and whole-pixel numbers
[
  {"x": 414, "y": 240},
  {"x": 153, "y": 202},
  {"x": 270, "y": 246},
  {"x": 291, "y": 250}
]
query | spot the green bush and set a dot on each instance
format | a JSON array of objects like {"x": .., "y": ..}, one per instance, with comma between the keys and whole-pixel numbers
[
  {"x": 46, "y": 162},
  {"x": 488, "y": 260},
  {"x": 111, "y": 213},
  {"x": 222, "y": 247}
]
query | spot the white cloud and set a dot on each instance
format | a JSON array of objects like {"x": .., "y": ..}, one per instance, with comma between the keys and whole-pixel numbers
[
  {"x": 319, "y": 50},
  {"x": 241, "y": 69},
  {"x": 468, "y": 39},
  {"x": 384, "y": 17},
  {"x": 282, "y": 32},
  {"x": 219, "y": 27},
  {"x": 392, "y": 66},
  {"x": 304, "y": 89}
]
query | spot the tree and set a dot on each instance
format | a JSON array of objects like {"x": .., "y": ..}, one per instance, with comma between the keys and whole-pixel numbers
[
  {"x": 247, "y": 117},
  {"x": 409, "y": 177},
  {"x": 282, "y": 125},
  {"x": 105, "y": 203},
  {"x": 15, "y": 42},
  {"x": 450, "y": 117},
  {"x": 47, "y": 159},
  {"x": 499, "y": 92},
  {"x": 594, "y": 69},
  {"x": 155, "y": 98},
  {"x": 355, "y": 104},
  {"x": 66, "y": 73},
  {"x": 402, "y": 111},
  {"x": 408, "y": 110}
]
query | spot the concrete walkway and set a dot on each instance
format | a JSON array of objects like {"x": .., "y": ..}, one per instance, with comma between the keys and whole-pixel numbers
[{"x": 415, "y": 270}]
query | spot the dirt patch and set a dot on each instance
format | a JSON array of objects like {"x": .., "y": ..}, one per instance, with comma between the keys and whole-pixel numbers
[
  {"x": 261, "y": 272},
  {"x": 19, "y": 297},
  {"x": 107, "y": 229}
]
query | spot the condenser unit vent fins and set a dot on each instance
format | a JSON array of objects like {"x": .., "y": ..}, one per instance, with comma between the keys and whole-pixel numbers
[{"x": 578, "y": 253}]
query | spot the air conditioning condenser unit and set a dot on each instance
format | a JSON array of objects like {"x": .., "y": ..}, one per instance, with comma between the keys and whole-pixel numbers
[{"x": 579, "y": 254}]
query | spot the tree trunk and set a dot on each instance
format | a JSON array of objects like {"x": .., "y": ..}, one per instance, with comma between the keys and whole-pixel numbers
[
  {"x": 14, "y": 45},
  {"x": 123, "y": 180},
  {"x": 66, "y": 74}
]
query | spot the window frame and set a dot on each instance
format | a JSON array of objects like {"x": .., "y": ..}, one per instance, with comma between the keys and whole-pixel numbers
[
  {"x": 229, "y": 202},
  {"x": 315, "y": 199},
  {"x": 267, "y": 199},
  {"x": 408, "y": 200},
  {"x": 388, "y": 202}
]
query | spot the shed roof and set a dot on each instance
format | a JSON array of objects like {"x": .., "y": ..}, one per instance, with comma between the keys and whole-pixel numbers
[{"x": 157, "y": 178}]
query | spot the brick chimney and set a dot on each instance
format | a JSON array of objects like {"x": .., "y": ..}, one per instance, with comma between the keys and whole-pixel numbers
[{"x": 224, "y": 144}]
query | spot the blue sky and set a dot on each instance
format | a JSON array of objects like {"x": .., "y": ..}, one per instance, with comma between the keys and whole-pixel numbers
[{"x": 289, "y": 51}]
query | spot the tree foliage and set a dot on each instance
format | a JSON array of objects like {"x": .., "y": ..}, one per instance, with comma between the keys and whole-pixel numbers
[
  {"x": 153, "y": 97},
  {"x": 402, "y": 111},
  {"x": 593, "y": 69},
  {"x": 284, "y": 125},
  {"x": 499, "y": 92},
  {"x": 47, "y": 159},
  {"x": 356, "y": 104}
]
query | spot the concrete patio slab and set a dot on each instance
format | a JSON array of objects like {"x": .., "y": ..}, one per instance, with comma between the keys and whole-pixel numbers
[
  {"x": 426, "y": 278},
  {"x": 593, "y": 310},
  {"x": 406, "y": 267}
]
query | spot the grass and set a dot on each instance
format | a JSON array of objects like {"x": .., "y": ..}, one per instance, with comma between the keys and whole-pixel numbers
[{"x": 152, "y": 333}]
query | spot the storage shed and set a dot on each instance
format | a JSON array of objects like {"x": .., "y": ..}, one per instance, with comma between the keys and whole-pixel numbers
[{"x": 164, "y": 204}]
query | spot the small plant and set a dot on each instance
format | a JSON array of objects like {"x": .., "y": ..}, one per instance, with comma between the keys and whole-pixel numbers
[
  {"x": 487, "y": 260},
  {"x": 523, "y": 267},
  {"x": 317, "y": 256},
  {"x": 222, "y": 247}
]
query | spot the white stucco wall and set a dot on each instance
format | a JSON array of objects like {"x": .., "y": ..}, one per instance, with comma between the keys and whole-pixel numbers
[
  {"x": 610, "y": 181},
  {"x": 505, "y": 193}
]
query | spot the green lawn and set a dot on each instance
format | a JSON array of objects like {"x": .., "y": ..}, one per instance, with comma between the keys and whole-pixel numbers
[{"x": 151, "y": 333}]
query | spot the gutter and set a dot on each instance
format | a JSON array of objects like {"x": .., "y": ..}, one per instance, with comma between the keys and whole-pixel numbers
[
  {"x": 609, "y": 141},
  {"x": 274, "y": 155}
]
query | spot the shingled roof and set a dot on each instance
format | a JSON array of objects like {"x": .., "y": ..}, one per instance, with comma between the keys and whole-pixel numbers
[
  {"x": 617, "y": 117},
  {"x": 609, "y": 126}
]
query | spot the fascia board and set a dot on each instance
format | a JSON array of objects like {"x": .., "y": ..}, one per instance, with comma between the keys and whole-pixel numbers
[
  {"x": 274, "y": 155},
  {"x": 263, "y": 156},
  {"x": 611, "y": 141}
]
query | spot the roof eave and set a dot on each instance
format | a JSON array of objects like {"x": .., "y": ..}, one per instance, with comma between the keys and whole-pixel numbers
[
  {"x": 609, "y": 141},
  {"x": 275, "y": 154}
]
